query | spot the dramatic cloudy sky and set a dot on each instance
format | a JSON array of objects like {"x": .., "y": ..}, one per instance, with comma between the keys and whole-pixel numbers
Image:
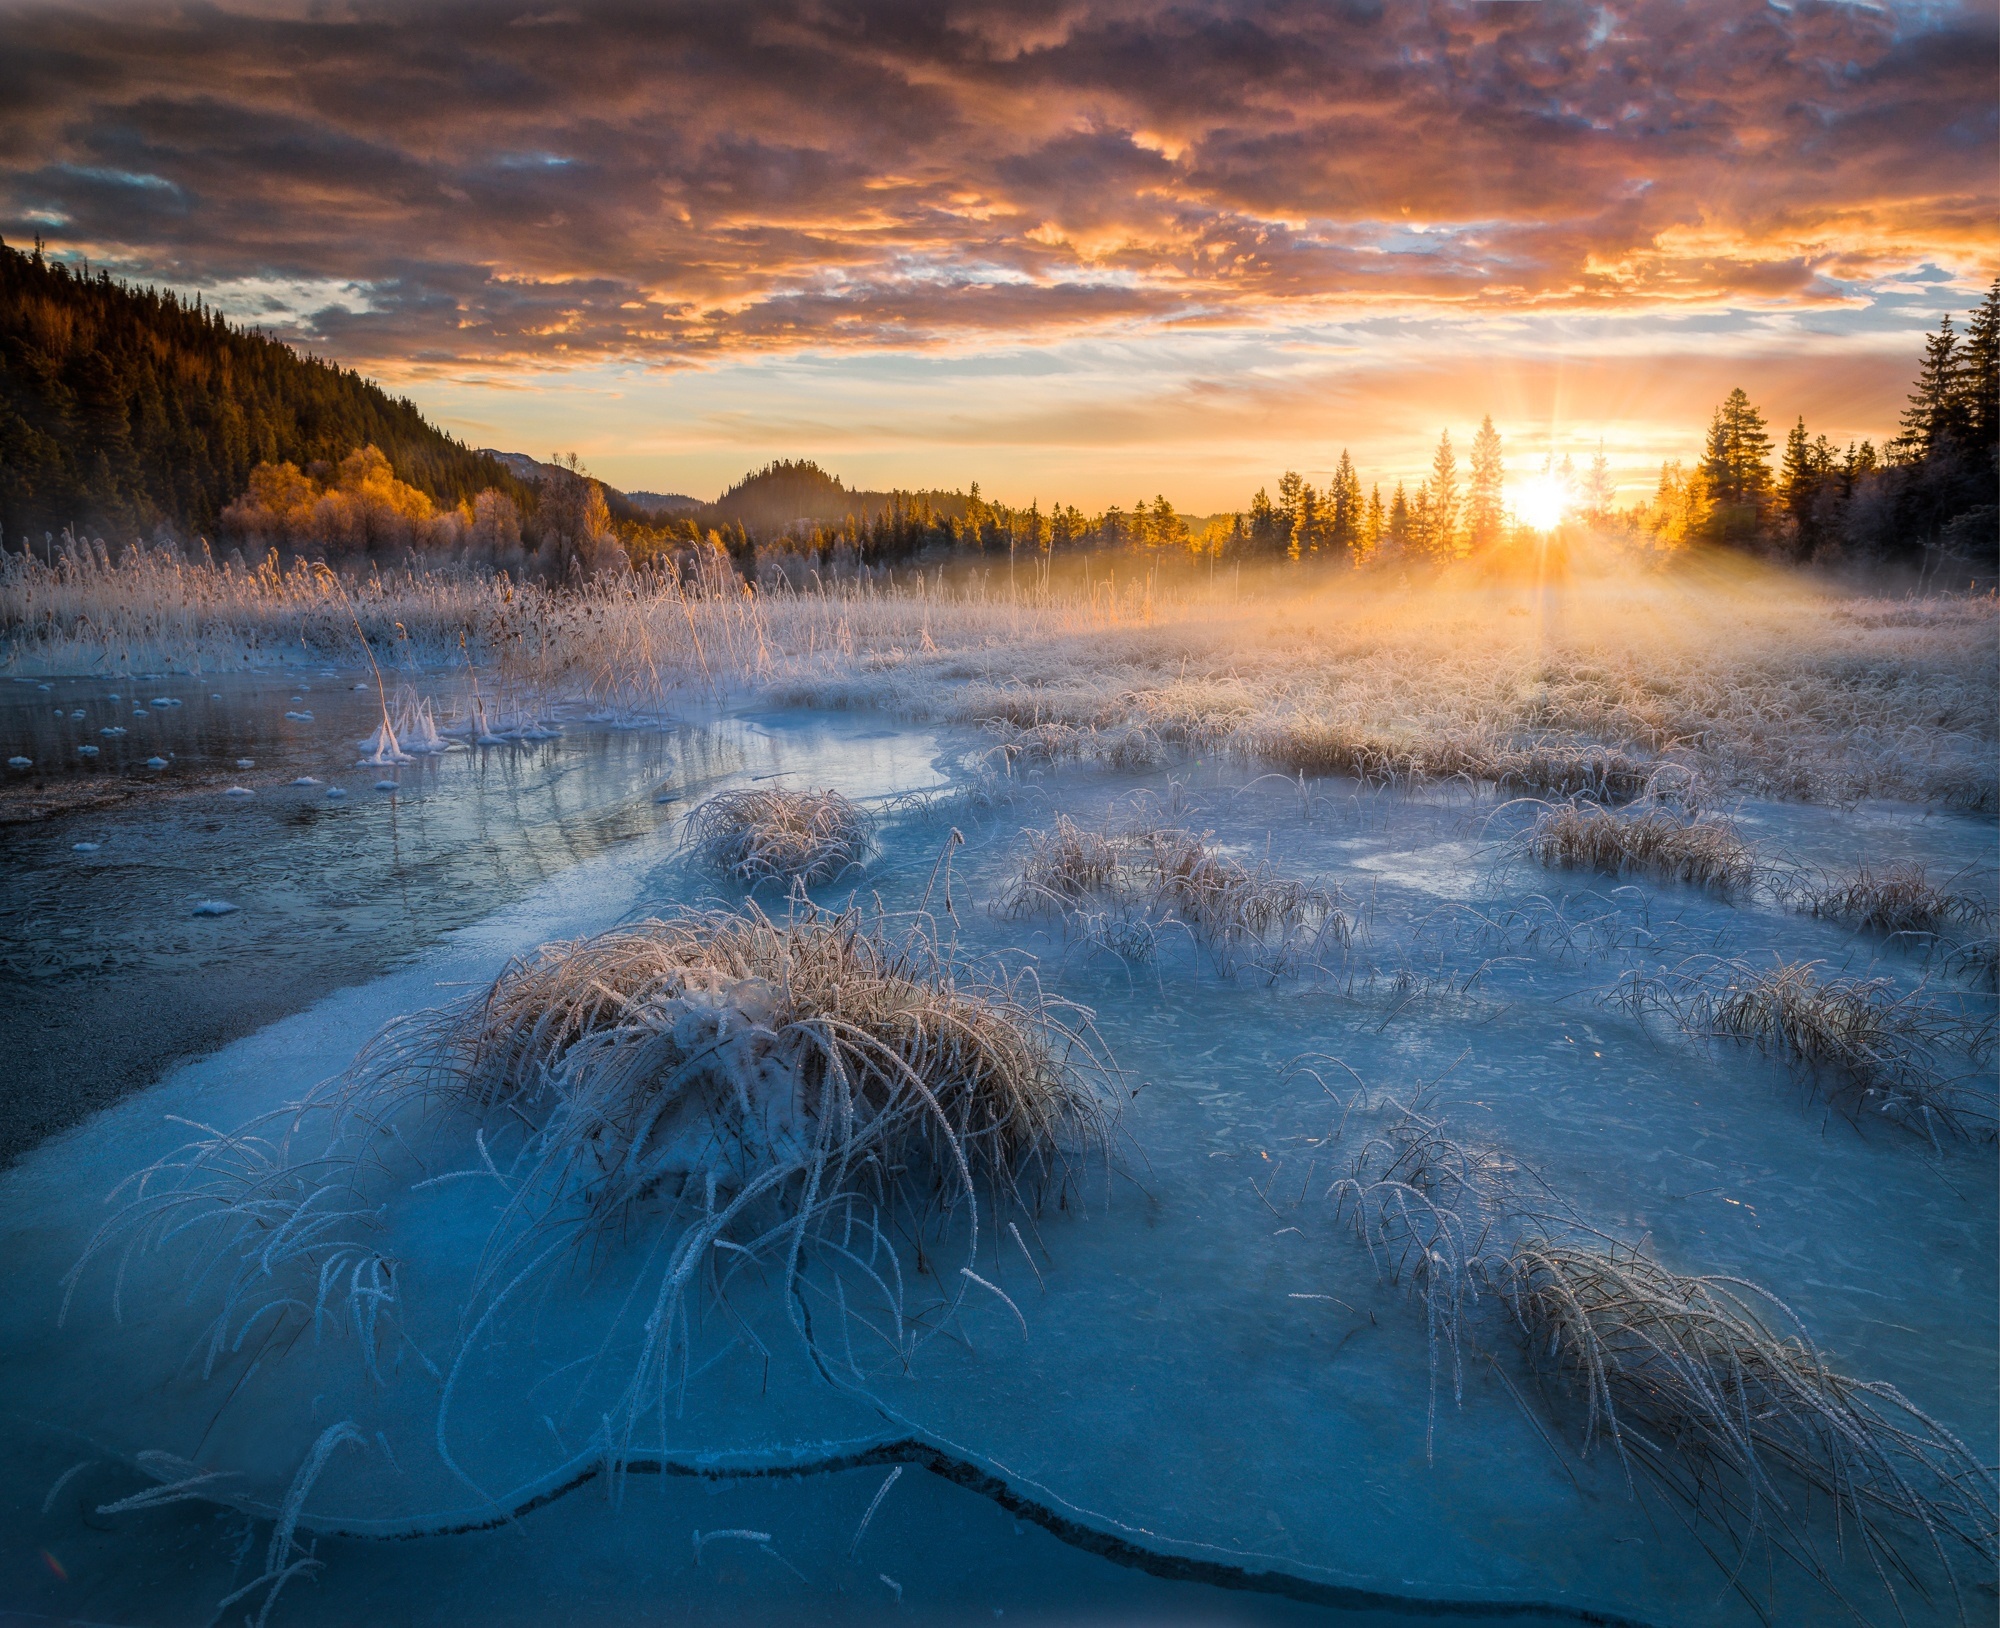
[{"x": 1067, "y": 249}]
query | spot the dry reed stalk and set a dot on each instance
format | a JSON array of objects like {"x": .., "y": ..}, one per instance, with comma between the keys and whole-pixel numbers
[
  {"x": 1900, "y": 899},
  {"x": 1423, "y": 1207},
  {"x": 1711, "y": 1386},
  {"x": 1858, "y": 1034},
  {"x": 1702, "y": 852},
  {"x": 1233, "y": 910},
  {"x": 765, "y": 834}
]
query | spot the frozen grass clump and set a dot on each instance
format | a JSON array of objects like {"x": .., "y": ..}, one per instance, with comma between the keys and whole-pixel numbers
[
  {"x": 1063, "y": 866},
  {"x": 1901, "y": 899},
  {"x": 1234, "y": 910},
  {"x": 1703, "y": 852},
  {"x": 1707, "y": 1386},
  {"x": 1712, "y": 1387},
  {"x": 1858, "y": 1034},
  {"x": 717, "y": 1095},
  {"x": 1423, "y": 1207},
  {"x": 769, "y": 834}
]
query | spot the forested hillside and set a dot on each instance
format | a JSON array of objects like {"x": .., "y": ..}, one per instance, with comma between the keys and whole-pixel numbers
[{"x": 122, "y": 408}]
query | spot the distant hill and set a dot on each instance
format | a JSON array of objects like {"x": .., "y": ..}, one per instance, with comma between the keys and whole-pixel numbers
[
  {"x": 795, "y": 496},
  {"x": 122, "y": 408},
  {"x": 659, "y": 504}
]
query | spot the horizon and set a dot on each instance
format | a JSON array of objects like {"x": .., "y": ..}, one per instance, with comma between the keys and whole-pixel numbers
[{"x": 1117, "y": 251}]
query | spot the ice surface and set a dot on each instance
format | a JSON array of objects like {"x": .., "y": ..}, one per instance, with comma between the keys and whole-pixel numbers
[{"x": 1212, "y": 1370}]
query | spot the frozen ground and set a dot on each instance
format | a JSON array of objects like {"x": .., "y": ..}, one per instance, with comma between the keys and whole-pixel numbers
[{"x": 1213, "y": 1381}]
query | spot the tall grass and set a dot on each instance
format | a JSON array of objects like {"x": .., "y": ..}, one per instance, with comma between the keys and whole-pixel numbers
[
  {"x": 1578, "y": 689},
  {"x": 1706, "y": 1387}
]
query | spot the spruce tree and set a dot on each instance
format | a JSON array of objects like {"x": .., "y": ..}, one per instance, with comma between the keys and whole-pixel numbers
[
  {"x": 1980, "y": 375},
  {"x": 1485, "y": 498},
  {"x": 1442, "y": 502},
  {"x": 1934, "y": 421}
]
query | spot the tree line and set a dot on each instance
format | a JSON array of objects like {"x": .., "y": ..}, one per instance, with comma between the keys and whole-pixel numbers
[
  {"x": 128, "y": 410},
  {"x": 132, "y": 411}
]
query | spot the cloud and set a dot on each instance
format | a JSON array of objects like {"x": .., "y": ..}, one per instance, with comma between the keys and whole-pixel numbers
[{"x": 682, "y": 183}]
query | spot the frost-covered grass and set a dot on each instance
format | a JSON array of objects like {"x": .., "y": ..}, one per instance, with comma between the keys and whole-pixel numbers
[
  {"x": 1708, "y": 1387},
  {"x": 1704, "y": 852},
  {"x": 1234, "y": 909},
  {"x": 1712, "y": 1387},
  {"x": 1868, "y": 1041},
  {"x": 766, "y": 834},
  {"x": 1583, "y": 687},
  {"x": 745, "y": 1093},
  {"x": 1897, "y": 899}
]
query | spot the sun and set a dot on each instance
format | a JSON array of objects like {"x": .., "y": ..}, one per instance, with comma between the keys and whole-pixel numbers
[{"x": 1542, "y": 501}]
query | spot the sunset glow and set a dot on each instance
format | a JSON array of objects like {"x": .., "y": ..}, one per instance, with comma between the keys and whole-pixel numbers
[
  {"x": 1541, "y": 501},
  {"x": 1094, "y": 251}
]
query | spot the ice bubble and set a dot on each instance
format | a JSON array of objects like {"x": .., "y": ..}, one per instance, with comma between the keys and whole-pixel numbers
[
  {"x": 298, "y": 698},
  {"x": 305, "y": 780},
  {"x": 358, "y": 686},
  {"x": 335, "y": 791},
  {"x": 300, "y": 717},
  {"x": 156, "y": 763},
  {"x": 113, "y": 730},
  {"x": 246, "y": 763},
  {"x": 138, "y": 712},
  {"x": 20, "y": 763},
  {"x": 165, "y": 701},
  {"x": 83, "y": 847},
  {"x": 86, "y": 751},
  {"x": 112, "y": 697},
  {"x": 387, "y": 785},
  {"x": 239, "y": 791},
  {"x": 215, "y": 907},
  {"x": 215, "y": 698},
  {"x": 78, "y": 713}
]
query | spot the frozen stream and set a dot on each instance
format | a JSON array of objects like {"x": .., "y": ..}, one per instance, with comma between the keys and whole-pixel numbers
[{"x": 1217, "y": 1410}]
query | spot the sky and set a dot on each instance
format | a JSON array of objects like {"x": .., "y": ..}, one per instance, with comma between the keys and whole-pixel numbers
[{"x": 1075, "y": 252}]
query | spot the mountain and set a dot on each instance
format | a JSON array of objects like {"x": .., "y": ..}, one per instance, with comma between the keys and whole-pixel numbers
[
  {"x": 660, "y": 504},
  {"x": 795, "y": 496},
  {"x": 122, "y": 409}
]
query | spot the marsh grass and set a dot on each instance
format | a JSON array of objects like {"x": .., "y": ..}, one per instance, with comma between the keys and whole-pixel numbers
[
  {"x": 718, "y": 1094},
  {"x": 1857, "y": 1042},
  {"x": 1706, "y": 1387},
  {"x": 1711, "y": 1387},
  {"x": 1239, "y": 913},
  {"x": 1900, "y": 899},
  {"x": 770, "y": 834},
  {"x": 1745, "y": 676},
  {"x": 1701, "y": 852}
]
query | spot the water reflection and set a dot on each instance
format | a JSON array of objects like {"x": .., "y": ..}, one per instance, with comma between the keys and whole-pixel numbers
[{"x": 107, "y": 971}]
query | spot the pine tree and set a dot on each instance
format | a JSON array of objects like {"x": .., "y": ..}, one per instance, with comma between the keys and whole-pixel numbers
[
  {"x": 1485, "y": 508},
  {"x": 1374, "y": 526},
  {"x": 1598, "y": 490},
  {"x": 1344, "y": 507},
  {"x": 1441, "y": 502},
  {"x": 1736, "y": 468},
  {"x": 1934, "y": 422},
  {"x": 1291, "y": 503},
  {"x": 1980, "y": 375},
  {"x": 1396, "y": 535}
]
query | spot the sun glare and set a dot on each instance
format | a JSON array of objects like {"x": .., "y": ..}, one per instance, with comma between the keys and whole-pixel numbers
[{"x": 1542, "y": 501}]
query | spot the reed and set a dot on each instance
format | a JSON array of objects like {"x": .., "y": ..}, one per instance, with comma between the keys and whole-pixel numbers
[
  {"x": 1703, "y": 852},
  {"x": 769, "y": 834}
]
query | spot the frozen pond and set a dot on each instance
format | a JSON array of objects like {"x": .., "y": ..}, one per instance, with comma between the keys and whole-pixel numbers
[{"x": 1190, "y": 1394}]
